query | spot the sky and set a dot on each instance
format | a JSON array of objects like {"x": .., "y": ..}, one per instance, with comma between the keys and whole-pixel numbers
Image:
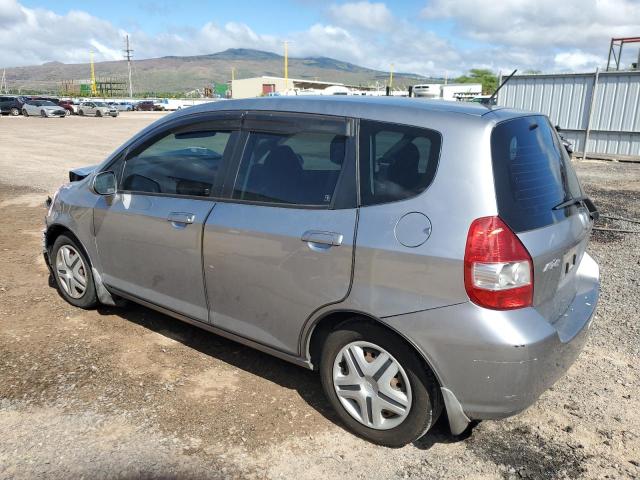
[{"x": 428, "y": 37}]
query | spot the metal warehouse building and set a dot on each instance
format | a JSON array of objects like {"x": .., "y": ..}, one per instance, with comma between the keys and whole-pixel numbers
[
  {"x": 599, "y": 112},
  {"x": 257, "y": 86}
]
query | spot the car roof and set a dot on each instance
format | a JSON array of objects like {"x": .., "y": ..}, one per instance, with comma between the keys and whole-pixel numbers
[{"x": 366, "y": 107}]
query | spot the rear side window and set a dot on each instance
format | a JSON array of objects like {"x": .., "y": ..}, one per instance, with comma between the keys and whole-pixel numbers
[
  {"x": 291, "y": 168},
  {"x": 185, "y": 163},
  {"x": 532, "y": 174},
  {"x": 396, "y": 161}
]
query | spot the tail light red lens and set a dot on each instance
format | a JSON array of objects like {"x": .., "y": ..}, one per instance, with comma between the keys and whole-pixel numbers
[{"x": 498, "y": 271}]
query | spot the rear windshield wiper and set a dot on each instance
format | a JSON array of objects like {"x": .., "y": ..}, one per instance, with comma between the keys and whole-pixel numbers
[
  {"x": 593, "y": 211},
  {"x": 571, "y": 202}
]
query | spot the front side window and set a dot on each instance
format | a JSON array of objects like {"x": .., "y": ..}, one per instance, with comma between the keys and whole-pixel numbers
[
  {"x": 396, "y": 161},
  {"x": 185, "y": 163},
  {"x": 298, "y": 168}
]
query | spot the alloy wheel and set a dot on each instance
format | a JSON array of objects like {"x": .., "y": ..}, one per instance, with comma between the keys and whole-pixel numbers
[
  {"x": 371, "y": 385},
  {"x": 71, "y": 271}
]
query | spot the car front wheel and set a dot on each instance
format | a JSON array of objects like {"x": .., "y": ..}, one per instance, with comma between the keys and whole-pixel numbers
[
  {"x": 72, "y": 272},
  {"x": 15, "y": 111},
  {"x": 24, "y": 112},
  {"x": 43, "y": 113},
  {"x": 377, "y": 384},
  {"x": 98, "y": 113}
]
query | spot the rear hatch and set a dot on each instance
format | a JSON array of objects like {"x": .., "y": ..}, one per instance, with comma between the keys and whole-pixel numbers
[{"x": 540, "y": 199}]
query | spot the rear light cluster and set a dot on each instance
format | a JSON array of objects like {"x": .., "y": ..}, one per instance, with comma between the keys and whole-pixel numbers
[{"x": 498, "y": 271}]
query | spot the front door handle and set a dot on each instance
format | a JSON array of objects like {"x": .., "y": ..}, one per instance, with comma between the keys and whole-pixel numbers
[
  {"x": 323, "y": 238},
  {"x": 181, "y": 217}
]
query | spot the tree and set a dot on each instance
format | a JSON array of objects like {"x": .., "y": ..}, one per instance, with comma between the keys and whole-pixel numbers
[{"x": 483, "y": 76}]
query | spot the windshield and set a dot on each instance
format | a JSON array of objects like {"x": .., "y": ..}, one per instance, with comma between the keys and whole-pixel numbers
[
  {"x": 46, "y": 103},
  {"x": 100, "y": 104}
]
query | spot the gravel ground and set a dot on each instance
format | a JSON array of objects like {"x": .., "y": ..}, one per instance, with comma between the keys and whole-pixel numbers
[{"x": 130, "y": 393}]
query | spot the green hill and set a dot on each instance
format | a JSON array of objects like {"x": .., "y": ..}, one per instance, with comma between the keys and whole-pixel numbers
[{"x": 183, "y": 74}]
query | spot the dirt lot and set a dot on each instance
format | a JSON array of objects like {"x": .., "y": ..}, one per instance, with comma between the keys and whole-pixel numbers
[{"x": 130, "y": 393}]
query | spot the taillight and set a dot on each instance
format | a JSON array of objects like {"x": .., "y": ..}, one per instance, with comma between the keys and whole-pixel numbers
[{"x": 498, "y": 271}]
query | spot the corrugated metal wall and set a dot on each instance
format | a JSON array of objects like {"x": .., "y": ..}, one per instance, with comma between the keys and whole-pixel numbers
[{"x": 613, "y": 119}]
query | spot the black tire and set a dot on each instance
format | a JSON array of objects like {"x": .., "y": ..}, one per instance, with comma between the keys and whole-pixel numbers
[
  {"x": 15, "y": 111},
  {"x": 43, "y": 114},
  {"x": 89, "y": 298},
  {"x": 81, "y": 113},
  {"x": 24, "y": 112},
  {"x": 426, "y": 403},
  {"x": 67, "y": 113},
  {"x": 98, "y": 113}
]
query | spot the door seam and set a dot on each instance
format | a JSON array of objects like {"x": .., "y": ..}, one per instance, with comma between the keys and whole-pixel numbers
[{"x": 204, "y": 276}]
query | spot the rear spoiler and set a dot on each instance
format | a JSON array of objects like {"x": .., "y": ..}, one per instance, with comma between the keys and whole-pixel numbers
[{"x": 81, "y": 172}]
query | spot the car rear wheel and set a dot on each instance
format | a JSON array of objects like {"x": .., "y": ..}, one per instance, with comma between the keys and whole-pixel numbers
[
  {"x": 67, "y": 113},
  {"x": 15, "y": 111},
  {"x": 24, "y": 112},
  {"x": 72, "y": 271},
  {"x": 378, "y": 386}
]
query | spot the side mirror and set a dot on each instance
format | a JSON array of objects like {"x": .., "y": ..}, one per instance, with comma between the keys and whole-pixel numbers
[
  {"x": 104, "y": 183},
  {"x": 558, "y": 129}
]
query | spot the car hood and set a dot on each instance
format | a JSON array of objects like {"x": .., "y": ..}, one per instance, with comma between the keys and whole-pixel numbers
[{"x": 51, "y": 107}]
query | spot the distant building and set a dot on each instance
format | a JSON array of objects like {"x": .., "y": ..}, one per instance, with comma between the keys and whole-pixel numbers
[
  {"x": 460, "y": 91},
  {"x": 263, "y": 86}
]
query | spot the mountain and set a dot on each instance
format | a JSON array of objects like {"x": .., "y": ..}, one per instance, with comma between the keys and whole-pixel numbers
[{"x": 183, "y": 74}]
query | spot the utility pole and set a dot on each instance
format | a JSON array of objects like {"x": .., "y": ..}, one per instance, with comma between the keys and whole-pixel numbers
[
  {"x": 127, "y": 54},
  {"x": 286, "y": 65},
  {"x": 94, "y": 90},
  {"x": 3, "y": 83}
]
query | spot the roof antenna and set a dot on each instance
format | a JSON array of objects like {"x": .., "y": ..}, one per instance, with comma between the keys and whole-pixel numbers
[{"x": 489, "y": 101}]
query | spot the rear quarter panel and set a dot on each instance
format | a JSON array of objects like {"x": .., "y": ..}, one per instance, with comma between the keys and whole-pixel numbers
[{"x": 392, "y": 279}]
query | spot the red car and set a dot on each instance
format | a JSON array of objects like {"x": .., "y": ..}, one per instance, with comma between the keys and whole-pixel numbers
[
  {"x": 68, "y": 105},
  {"x": 146, "y": 105}
]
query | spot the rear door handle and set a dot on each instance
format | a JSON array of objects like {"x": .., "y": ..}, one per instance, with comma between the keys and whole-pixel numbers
[
  {"x": 323, "y": 238},
  {"x": 181, "y": 217}
]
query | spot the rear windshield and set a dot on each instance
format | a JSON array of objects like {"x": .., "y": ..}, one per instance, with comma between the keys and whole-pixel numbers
[{"x": 532, "y": 172}]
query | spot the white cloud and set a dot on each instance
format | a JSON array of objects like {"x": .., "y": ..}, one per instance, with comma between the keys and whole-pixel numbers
[
  {"x": 577, "y": 32},
  {"x": 576, "y": 60},
  {"x": 367, "y": 15},
  {"x": 36, "y": 36},
  {"x": 545, "y": 35}
]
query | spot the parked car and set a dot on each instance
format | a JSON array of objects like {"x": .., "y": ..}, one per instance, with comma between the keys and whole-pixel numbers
[
  {"x": 123, "y": 106},
  {"x": 44, "y": 108},
  {"x": 11, "y": 105},
  {"x": 69, "y": 106},
  {"x": 145, "y": 105},
  {"x": 99, "y": 109},
  {"x": 397, "y": 247}
]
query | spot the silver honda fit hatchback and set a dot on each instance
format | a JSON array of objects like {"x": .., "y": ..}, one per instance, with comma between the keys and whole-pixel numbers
[{"x": 423, "y": 256}]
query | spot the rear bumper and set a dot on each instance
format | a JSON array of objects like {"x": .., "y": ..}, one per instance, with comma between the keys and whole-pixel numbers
[{"x": 494, "y": 364}]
